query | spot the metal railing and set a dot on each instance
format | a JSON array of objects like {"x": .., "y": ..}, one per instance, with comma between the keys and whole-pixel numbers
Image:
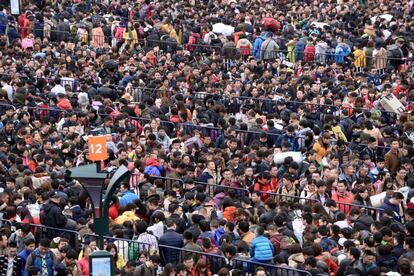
[
  {"x": 281, "y": 199},
  {"x": 210, "y": 131},
  {"x": 368, "y": 210},
  {"x": 169, "y": 45},
  {"x": 130, "y": 249},
  {"x": 243, "y": 99}
]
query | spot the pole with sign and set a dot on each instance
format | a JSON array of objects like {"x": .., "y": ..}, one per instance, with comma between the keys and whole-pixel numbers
[{"x": 92, "y": 180}]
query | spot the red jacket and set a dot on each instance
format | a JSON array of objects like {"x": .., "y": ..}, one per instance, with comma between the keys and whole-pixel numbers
[
  {"x": 264, "y": 188},
  {"x": 347, "y": 198},
  {"x": 24, "y": 25},
  {"x": 310, "y": 53}
]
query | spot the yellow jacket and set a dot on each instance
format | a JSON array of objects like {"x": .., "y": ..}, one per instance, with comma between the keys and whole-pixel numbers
[
  {"x": 126, "y": 216},
  {"x": 339, "y": 134},
  {"x": 320, "y": 151},
  {"x": 169, "y": 30},
  {"x": 120, "y": 263},
  {"x": 359, "y": 56},
  {"x": 130, "y": 37}
]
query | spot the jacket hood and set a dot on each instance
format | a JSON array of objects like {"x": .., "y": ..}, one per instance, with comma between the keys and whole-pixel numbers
[
  {"x": 231, "y": 209},
  {"x": 152, "y": 162}
]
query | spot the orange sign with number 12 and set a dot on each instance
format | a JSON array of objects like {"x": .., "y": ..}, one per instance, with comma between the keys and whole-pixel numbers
[{"x": 97, "y": 148}]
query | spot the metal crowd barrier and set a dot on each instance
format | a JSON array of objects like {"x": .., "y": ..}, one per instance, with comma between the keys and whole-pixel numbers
[
  {"x": 281, "y": 199},
  {"x": 130, "y": 249},
  {"x": 203, "y": 95},
  {"x": 210, "y": 131},
  {"x": 372, "y": 211}
]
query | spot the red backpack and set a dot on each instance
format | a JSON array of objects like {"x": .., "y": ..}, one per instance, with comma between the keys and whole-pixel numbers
[
  {"x": 245, "y": 50},
  {"x": 310, "y": 53},
  {"x": 42, "y": 111}
]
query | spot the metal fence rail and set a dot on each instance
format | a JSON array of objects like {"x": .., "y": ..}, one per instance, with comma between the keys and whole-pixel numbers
[
  {"x": 130, "y": 249},
  {"x": 369, "y": 210},
  {"x": 171, "y": 45},
  {"x": 281, "y": 199}
]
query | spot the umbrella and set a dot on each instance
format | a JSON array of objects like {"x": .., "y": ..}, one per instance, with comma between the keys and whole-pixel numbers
[
  {"x": 319, "y": 24},
  {"x": 223, "y": 29},
  {"x": 386, "y": 16}
]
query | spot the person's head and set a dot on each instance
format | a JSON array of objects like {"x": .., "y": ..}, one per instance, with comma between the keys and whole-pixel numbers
[
  {"x": 44, "y": 246},
  {"x": 188, "y": 261},
  {"x": 354, "y": 254},
  {"x": 169, "y": 270},
  {"x": 201, "y": 266},
  {"x": 29, "y": 245},
  {"x": 142, "y": 256},
  {"x": 188, "y": 236},
  {"x": 321, "y": 187},
  {"x": 71, "y": 256},
  {"x": 397, "y": 198},
  {"x": 87, "y": 250},
  {"x": 141, "y": 226},
  {"x": 409, "y": 243},
  {"x": 395, "y": 145},
  {"x": 260, "y": 271},
  {"x": 124, "y": 187},
  {"x": 154, "y": 261},
  {"x": 223, "y": 272},
  {"x": 259, "y": 231},
  {"x": 368, "y": 257},
  {"x": 341, "y": 187},
  {"x": 12, "y": 249}
]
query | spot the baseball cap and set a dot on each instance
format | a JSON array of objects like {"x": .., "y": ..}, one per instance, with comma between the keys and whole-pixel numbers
[{"x": 54, "y": 194}]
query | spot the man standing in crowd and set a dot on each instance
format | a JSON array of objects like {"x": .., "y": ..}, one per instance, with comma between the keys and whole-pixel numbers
[{"x": 42, "y": 258}]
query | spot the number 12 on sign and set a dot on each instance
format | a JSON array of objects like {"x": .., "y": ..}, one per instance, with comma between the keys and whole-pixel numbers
[{"x": 97, "y": 148}]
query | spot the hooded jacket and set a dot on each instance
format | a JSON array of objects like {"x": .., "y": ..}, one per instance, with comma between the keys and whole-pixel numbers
[
  {"x": 342, "y": 50},
  {"x": 257, "y": 46},
  {"x": 153, "y": 167},
  {"x": 52, "y": 216},
  {"x": 229, "y": 213}
]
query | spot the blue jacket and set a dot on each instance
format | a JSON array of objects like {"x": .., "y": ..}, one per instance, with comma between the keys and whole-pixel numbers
[
  {"x": 127, "y": 197},
  {"x": 24, "y": 254},
  {"x": 300, "y": 49},
  {"x": 395, "y": 208},
  {"x": 258, "y": 45},
  {"x": 342, "y": 50},
  {"x": 170, "y": 255},
  {"x": 291, "y": 139},
  {"x": 37, "y": 261},
  {"x": 153, "y": 170},
  {"x": 327, "y": 244},
  {"x": 3, "y": 22},
  {"x": 261, "y": 249},
  {"x": 204, "y": 177}
]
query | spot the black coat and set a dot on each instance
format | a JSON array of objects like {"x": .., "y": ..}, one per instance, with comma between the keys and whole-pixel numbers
[
  {"x": 17, "y": 265},
  {"x": 170, "y": 255},
  {"x": 51, "y": 216}
]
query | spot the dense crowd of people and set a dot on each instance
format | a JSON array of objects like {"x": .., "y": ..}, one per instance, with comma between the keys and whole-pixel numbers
[{"x": 255, "y": 133}]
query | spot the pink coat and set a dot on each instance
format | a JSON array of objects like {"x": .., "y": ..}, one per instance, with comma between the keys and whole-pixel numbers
[
  {"x": 84, "y": 266},
  {"x": 98, "y": 38}
]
